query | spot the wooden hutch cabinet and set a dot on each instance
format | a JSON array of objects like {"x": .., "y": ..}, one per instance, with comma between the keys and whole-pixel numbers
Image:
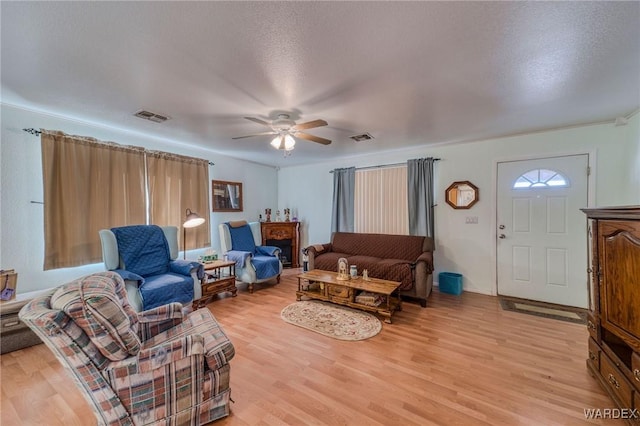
[
  {"x": 285, "y": 235},
  {"x": 614, "y": 312}
]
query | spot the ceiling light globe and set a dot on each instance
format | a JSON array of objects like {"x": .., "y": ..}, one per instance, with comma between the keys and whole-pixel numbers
[
  {"x": 276, "y": 142},
  {"x": 289, "y": 143}
]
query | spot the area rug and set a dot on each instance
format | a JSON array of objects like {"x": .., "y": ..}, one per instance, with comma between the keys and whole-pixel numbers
[
  {"x": 332, "y": 320},
  {"x": 542, "y": 309}
]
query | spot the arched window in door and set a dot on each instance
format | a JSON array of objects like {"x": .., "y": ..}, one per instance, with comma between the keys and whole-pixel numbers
[{"x": 541, "y": 178}]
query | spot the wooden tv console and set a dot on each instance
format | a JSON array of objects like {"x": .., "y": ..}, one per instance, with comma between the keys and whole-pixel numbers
[{"x": 613, "y": 319}]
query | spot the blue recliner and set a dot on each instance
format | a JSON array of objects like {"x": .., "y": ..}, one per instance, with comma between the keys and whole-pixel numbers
[
  {"x": 145, "y": 257},
  {"x": 255, "y": 263}
]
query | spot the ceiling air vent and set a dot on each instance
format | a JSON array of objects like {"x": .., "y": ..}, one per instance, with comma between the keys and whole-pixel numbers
[
  {"x": 361, "y": 137},
  {"x": 152, "y": 116}
]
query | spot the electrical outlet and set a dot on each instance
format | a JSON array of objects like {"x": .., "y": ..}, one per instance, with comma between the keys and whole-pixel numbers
[{"x": 471, "y": 219}]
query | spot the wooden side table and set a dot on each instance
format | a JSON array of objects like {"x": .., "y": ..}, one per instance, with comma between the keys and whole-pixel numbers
[{"x": 219, "y": 277}]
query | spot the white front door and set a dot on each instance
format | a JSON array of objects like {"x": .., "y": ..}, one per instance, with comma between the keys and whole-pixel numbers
[{"x": 541, "y": 235}]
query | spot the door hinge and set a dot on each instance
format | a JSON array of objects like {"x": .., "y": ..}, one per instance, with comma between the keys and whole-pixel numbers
[{"x": 588, "y": 170}]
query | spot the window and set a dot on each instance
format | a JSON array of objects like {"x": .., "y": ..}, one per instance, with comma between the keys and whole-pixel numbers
[
  {"x": 541, "y": 178},
  {"x": 91, "y": 185},
  {"x": 380, "y": 204},
  {"x": 174, "y": 180}
]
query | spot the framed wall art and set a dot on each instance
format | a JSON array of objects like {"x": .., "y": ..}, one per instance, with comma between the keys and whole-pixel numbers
[{"x": 226, "y": 196}]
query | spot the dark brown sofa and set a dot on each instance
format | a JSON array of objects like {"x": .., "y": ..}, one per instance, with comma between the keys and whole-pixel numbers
[{"x": 404, "y": 258}]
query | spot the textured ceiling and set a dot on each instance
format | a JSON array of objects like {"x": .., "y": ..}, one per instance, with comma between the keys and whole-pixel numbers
[{"x": 413, "y": 73}]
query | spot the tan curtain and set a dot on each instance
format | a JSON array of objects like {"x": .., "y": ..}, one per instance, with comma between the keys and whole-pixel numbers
[
  {"x": 88, "y": 186},
  {"x": 381, "y": 201},
  {"x": 177, "y": 183}
]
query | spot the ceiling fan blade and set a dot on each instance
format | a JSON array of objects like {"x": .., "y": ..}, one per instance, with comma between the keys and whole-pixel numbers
[
  {"x": 257, "y": 120},
  {"x": 310, "y": 125},
  {"x": 312, "y": 138},
  {"x": 256, "y": 134}
]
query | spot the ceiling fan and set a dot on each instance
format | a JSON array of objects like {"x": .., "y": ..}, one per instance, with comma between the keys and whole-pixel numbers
[{"x": 286, "y": 129}]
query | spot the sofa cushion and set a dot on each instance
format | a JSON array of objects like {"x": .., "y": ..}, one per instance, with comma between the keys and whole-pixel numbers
[
  {"x": 386, "y": 269},
  {"x": 98, "y": 305},
  {"x": 329, "y": 261},
  {"x": 395, "y": 270},
  {"x": 159, "y": 290},
  {"x": 407, "y": 247},
  {"x": 363, "y": 262},
  {"x": 266, "y": 266}
]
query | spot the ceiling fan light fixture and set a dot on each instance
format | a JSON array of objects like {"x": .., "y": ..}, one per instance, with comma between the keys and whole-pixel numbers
[
  {"x": 284, "y": 142},
  {"x": 285, "y": 129},
  {"x": 276, "y": 142},
  {"x": 289, "y": 143}
]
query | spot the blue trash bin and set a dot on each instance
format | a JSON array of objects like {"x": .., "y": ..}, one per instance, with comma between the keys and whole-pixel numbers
[{"x": 450, "y": 282}]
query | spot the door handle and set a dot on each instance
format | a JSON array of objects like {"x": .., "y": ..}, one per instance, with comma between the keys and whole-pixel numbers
[
  {"x": 502, "y": 236},
  {"x": 501, "y": 226}
]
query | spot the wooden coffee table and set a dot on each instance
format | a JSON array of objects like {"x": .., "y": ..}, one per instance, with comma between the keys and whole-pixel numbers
[
  {"x": 219, "y": 277},
  {"x": 324, "y": 285}
]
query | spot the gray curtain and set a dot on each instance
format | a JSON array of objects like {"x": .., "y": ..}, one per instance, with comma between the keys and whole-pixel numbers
[
  {"x": 420, "y": 196},
  {"x": 344, "y": 183}
]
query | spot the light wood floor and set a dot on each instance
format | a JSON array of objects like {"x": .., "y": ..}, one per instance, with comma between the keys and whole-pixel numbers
[{"x": 460, "y": 361}]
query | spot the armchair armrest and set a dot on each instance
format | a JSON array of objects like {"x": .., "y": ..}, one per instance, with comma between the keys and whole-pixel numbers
[
  {"x": 169, "y": 352},
  {"x": 157, "y": 320},
  {"x": 315, "y": 250},
  {"x": 129, "y": 276},
  {"x": 240, "y": 257},
  {"x": 185, "y": 267},
  {"x": 423, "y": 279},
  {"x": 426, "y": 258},
  {"x": 268, "y": 250}
]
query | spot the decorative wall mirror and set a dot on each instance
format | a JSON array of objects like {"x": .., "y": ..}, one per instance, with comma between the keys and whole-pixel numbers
[
  {"x": 226, "y": 196},
  {"x": 462, "y": 195}
]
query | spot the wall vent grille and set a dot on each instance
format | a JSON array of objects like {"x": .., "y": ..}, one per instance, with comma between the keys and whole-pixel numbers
[
  {"x": 151, "y": 116},
  {"x": 361, "y": 137}
]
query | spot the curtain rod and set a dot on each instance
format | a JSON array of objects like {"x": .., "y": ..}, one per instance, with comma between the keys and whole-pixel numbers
[
  {"x": 380, "y": 166},
  {"x": 36, "y": 132},
  {"x": 33, "y": 131}
]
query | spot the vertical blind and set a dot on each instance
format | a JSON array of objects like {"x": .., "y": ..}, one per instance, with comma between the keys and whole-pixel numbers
[{"x": 381, "y": 201}]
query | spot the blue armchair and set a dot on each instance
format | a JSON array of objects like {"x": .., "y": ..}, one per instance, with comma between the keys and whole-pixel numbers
[
  {"x": 145, "y": 257},
  {"x": 255, "y": 263}
]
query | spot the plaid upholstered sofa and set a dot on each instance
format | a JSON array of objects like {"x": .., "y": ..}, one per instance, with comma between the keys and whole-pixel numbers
[
  {"x": 404, "y": 258},
  {"x": 157, "y": 367}
]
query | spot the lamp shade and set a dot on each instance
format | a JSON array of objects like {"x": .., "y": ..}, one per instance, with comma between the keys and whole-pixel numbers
[{"x": 193, "y": 219}]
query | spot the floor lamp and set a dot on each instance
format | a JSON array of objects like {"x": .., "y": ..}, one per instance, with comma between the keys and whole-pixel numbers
[{"x": 193, "y": 220}]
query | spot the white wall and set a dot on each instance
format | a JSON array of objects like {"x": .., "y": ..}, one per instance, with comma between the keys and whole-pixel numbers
[
  {"x": 21, "y": 222},
  {"x": 469, "y": 248},
  {"x": 633, "y": 129},
  {"x": 307, "y": 190}
]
